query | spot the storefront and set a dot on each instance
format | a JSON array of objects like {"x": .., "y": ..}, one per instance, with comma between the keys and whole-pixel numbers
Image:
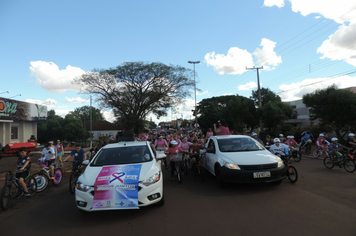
[{"x": 18, "y": 120}]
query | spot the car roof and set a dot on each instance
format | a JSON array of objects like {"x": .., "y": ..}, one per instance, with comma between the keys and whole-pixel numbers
[
  {"x": 231, "y": 136},
  {"x": 126, "y": 144}
]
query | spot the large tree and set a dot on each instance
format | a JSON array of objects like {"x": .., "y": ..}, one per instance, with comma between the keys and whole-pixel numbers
[
  {"x": 238, "y": 112},
  {"x": 83, "y": 113},
  {"x": 333, "y": 106},
  {"x": 135, "y": 89}
]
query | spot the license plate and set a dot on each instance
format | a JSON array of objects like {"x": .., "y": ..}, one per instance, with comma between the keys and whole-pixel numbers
[{"x": 265, "y": 174}]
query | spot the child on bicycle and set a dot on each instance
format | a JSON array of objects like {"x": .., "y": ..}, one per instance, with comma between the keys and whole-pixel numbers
[
  {"x": 174, "y": 150},
  {"x": 321, "y": 142},
  {"x": 195, "y": 152},
  {"x": 78, "y": 154},
  {"x": 334, "y": 147},
  {"x": 23, "y": 165},
  {"x": 48, "y": 155},
  {"x": 279, "y": 149}
]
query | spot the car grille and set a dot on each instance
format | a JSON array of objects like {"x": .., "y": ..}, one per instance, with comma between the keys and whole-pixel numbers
[{"x": 259, "y": 167}]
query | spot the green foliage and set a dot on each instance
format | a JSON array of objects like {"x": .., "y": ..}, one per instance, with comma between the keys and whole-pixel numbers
[
  {"x": 266, "y": 96},
  {"x": 335, "y": 107},
  {"x": 274, "y": 113},
  {"x": 55, "y": 127},
  {"x": 83, "y": 113},
  {"x": 135, "y": 89},
  {"x": 237, "y": 111}
]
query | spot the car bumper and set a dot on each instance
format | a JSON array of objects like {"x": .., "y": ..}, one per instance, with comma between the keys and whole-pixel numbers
[
  {"x": 147, "y": 195},
  {"x": 247, "y": 176}
]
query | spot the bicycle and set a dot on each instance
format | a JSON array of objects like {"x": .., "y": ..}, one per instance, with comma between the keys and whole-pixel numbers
[
  {"x": 292, "y": 172},
  {"x": 346, "y": 162},
  {"x": 78, "y": 170},
  {"x": 43, "y": 176},
  {"x": 296, "y": 154},
  {"x": 320, "y": 151},
  {"x": 198, "y": 167},
  {"x": 306, "y": 145},
  {"x": 7, "y": 191},
  {"x": 185, "y": 162},
  {"x": 178, "y": 159}
]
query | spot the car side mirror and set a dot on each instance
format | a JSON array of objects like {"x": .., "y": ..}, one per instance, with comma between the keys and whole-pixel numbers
[{"x": 85, "y": 163}]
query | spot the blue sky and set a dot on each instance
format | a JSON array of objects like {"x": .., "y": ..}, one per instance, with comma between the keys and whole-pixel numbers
[{"x": 302, "y": 45}]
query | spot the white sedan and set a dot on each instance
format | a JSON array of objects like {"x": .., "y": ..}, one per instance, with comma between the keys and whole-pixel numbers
[
  {"x": 240, "y": 158},
  {"x": 125, "y": 175}
]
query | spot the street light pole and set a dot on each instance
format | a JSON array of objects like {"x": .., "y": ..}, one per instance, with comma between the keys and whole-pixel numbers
[{"x": 195, "y": 93}]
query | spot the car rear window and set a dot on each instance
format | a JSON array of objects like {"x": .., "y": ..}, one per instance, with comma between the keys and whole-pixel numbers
[
  {"x": 122, "y": 155},
  {"x": 239, "y": 144}
]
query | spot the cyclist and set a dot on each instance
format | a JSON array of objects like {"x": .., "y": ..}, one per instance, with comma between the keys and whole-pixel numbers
[
  {"x": 279, "y": 149},
  {"x": 291, "y": 142},
  {"x": 161, "y": 143},
  {"x": 23, "y": 165},
  {"x": 306, "y": 135},
  {"x": 49, "y": 155},
  {"x": 195, "y": 152},
  {"x": 321, "y": 142},
  {"x": 78, "y": 154},
  {"x": 282, "y": 138},
  {"x": 350, "y": 142},
  {"x": 334, "y": 147},
  {"x": 171, "y": 151}
]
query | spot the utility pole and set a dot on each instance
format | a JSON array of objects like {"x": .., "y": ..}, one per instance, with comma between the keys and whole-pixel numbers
[
  {"x": 259, "y": 89},
  {"x": 91, "y": 123},
  {"x": 195, "y": 94}
]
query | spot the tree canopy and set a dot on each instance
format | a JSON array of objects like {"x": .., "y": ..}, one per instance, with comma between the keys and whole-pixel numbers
[
  {"x": 135, "y": 89},
  {"x": 332, "y": 106},
  {"x": 83, "y": 113}
]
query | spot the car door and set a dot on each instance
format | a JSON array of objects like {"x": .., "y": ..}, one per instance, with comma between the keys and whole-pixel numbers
[{"x": 210, "y": 156}]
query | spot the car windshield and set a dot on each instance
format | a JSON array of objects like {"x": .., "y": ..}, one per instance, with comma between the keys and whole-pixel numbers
[
  {"x": 239, "y": 144},
  {"x": 122, "y": 155}
]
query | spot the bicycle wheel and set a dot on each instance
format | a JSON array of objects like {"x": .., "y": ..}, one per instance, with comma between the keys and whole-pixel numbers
[
  {"x": 72, "y": 182},
  {"x": 292, "y": 174},
  {"x": 316, "y": 153},
  {"x": 5, "y": 197},
  {"x": 58, "y": 176},
  {"x": 41, "y": 181},
  {"x": 349, "y": 165},
  {"x": 297, "y": 156},
  {"x": 329, "y": 162},
  {"x": 179, "y": 175},
  {"x": 31, "y": 186}
]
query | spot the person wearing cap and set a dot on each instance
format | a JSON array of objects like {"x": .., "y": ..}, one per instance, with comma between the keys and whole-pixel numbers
[
  {"x": 268, "y": 141},
  {"x": 174, "y": 150},
  {"x": 321, "y": 142},
  {"x": 223, "y": 129},
  {"x": 282, "y": 138},
  {"x": 49, "y": 155},
  {"x": 306, "y": 135},
  {"x": 350, "y": 143},
  {"x": 334, "y": 148},
  {"x": 279, "y": 149},
  {"x": 161, "y": 143},
  {"x": 291, "y": 142},
  {"x": 254, "y": 135}
]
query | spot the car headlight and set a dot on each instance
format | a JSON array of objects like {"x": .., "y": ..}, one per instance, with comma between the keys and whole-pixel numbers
[
  {"x": 152, "y": 179},
  {"x": 231, "y": 166},
  {"x": 280, "y": 163},
  {"x": 82, "y": 187}
]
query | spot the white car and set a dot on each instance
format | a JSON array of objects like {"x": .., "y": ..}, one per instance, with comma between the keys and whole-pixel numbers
[
  {"x": 125, "y": 175},
  {"x": 240, "y": 158}
]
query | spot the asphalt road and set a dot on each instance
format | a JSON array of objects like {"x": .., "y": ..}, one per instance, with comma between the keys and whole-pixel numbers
[{"x": 320, "y": 203}]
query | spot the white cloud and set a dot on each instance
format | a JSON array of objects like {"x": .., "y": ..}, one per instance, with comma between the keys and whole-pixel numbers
[
  {"x": 271, "y": 3},
  {"x": 46, "y": 102},
  {"x": 61, "y": 112},
  {"x": 249, "y": 86},
  {"x": 234, "y": 62},
  {"x": 205, "y": 92},
  {"x": 76, "y": 100},
  {"x": 295, "y": 91},
  {"x": 109, "y": 116},
  {"x": 51, "y": 78},
  {"x": 236, "y": 59},
  {"x": 342, "y": 44}
]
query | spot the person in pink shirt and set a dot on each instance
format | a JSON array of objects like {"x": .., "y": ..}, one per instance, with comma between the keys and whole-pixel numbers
[
  {"x": 161, "y": 143},
  {"x": 291, "y": 142},
  {"x": 209, "y": 133},
  {"x": 223, "y": 129},
  {"x": 184, "y": 145},
  {"x": 174, "y": 150},
  {"x": 321, "y": 142}
]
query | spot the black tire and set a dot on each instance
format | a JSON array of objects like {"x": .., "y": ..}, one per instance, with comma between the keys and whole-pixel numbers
[
  {"x": 292, "y": 174},
  {"x": 41, "y": 181},
  {"x": 297, "y": 156},
  {"x": 58, "y": 176},
  {"x": 308, "y": 148},
  {"x": 31, "y": 186},
  {"x": 349, "y": 165},
  {"x": 5, "y": 197},
  {"x": 329, "y": 162},
  {"x": 72, "y": 182},
  {"x": 179, "y": 174},
  {"x": 201, "y": 173}
]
